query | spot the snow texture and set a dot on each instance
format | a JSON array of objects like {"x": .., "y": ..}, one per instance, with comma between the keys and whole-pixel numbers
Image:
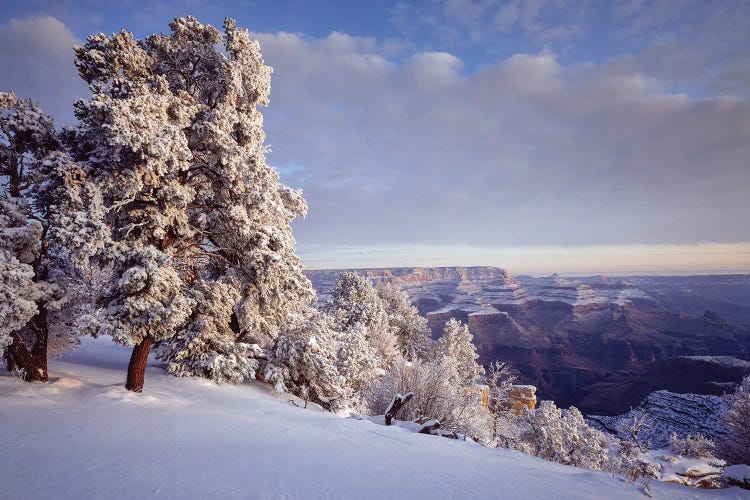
[{"x": 189, "y": 438}]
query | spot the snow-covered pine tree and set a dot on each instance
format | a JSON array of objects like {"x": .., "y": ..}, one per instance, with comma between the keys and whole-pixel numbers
[
  {"x": 457, "y": 343},
  {"x": 355, "y": 301},
  {"x": 242, "y": 213},
  {"x": 45, "y": 208},
  {"x": 735, "y": 447},
  {"x": 356, "y": 358},
  {"x": 176, "y": 145},
  {"x": 412, "y": 333},
  {"x": 139, "y": 159}
]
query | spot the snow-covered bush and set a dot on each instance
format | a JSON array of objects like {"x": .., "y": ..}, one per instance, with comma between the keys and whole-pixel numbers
[
  {"x": 457, "y": 343},
  {"x": 303, "y": 360},
  {"x": 354, "y": 301},
  {"x": 735, "y": 447},
  {"x": 437, "y": 396},
  {"x": 695, "y": 446},
  {"x": 738, "y": 475},
  {"x": 411, "y": 331},
  {"x": 561, "y": 436}
]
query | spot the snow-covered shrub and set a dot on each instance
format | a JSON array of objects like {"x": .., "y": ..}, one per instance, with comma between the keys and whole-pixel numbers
[
  {"x": 738, "y": 475},
  {"x": 694, "y": 446},
  {"x": 411, "y": 331},
  {"x": 641, "y": 468},
  {"x": 457, "y": 343},
  {"x": 499, "y": 382},
  {"x": 354, "y": 301},
  {"x": 561, "y": 436},
  {"x": 208, "y": 346},
  {"x": 303, "y": 361},
  {"x": 437, "y": 396},
  {"x": 735, "y": 447}
]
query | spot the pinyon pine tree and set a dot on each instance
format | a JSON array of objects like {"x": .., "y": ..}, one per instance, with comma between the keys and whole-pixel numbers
[
  {"x": 457, "y": 343},
  {"x": 735, "y": 447},
  {"x": 410, "y": 329},
  {"x": 47, "y": 229},
  {"x": 175, "y": 143}
]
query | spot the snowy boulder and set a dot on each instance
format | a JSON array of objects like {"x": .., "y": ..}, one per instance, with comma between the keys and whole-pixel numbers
[{"x": 738, "y": 475}]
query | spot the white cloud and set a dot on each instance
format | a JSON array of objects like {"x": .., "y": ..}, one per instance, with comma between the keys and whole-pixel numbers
[
  {"x": 525, "y": 151},
  {"x": 36, "y": 57}
]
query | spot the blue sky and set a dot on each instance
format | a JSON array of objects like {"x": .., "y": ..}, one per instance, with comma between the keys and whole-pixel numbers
[{"x": 539, "y": 135}]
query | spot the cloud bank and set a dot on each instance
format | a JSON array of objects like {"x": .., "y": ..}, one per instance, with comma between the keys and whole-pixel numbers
[{"x": 524, "y": 151}]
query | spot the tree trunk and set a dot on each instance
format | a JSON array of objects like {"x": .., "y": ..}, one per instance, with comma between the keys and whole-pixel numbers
[
  {"x": 137, "y": 365},
  {"x": 20, "y": 357},
  {"x": 397, "y": 403},
  {"x": 39, "y": 350},
  {"x": 9, "y": 364}
]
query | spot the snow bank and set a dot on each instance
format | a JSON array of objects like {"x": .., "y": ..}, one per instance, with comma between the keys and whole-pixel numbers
[
  {"x": 738, "y": 474},
  {"x": 83, "y": 436}
]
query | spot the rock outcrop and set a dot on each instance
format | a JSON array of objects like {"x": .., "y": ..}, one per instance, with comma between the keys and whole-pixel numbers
[{"x": 522, "y": 396}]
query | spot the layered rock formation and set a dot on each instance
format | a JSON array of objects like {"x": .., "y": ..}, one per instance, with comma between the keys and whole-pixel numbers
[{"x": 667, "y": 412}]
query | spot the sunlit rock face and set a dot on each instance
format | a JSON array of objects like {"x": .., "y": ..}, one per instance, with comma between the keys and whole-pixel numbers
[{"x": 568, "y": 336}]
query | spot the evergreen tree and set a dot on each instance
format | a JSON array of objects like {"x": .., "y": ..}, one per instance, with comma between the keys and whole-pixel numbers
[
  {"x": 457, "y": 343},
  {"x": 175, "y": 143},
  {"x": 735, "y": 447},
  {"x": 354, "y": 301},
  {"x": 411, "y": 331},
  {"x": 47, "y": 225}
]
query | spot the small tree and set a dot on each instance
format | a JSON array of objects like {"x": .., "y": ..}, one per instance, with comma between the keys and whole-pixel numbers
[
  {"x": 357, "y": 360},
  {"x": 500, "y": 379},
  {"x": 458, "y": 344},
  {"x": 735, "y": 447},
  {"x": 411, "y": 331},
  {"x": 354, "y": 301},
  {"x": 47, "y": 222}
]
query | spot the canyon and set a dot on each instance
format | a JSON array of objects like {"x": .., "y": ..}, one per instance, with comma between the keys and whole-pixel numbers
[{"x": 600, "y": 343}]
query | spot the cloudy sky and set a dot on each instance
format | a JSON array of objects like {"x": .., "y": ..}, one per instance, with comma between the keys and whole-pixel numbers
[{"x": 537, "y": 135}]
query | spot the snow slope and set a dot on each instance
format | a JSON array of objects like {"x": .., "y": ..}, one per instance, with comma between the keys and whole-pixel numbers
[{"x": 83, "y": 436}]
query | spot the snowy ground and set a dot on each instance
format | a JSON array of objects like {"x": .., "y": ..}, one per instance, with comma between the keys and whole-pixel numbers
[{"x": 83, "y": 436}]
